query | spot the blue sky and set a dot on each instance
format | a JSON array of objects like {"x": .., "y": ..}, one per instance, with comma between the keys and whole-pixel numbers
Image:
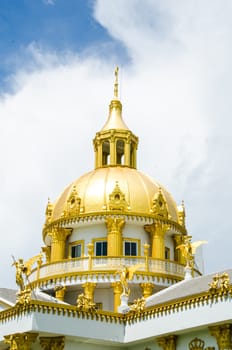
[
  {"x": 57, "y": 61},
  {"x": 60, "y": 25}
]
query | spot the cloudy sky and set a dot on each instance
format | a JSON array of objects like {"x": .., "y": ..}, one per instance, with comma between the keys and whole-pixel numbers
[{"x": 56, "y": 80}]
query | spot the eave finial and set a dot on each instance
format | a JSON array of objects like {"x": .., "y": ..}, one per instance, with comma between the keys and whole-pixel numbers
[{"x": 116, "y": 83}]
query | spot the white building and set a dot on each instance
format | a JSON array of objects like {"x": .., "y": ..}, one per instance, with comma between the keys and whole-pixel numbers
[{"x": 112, "y": 277}]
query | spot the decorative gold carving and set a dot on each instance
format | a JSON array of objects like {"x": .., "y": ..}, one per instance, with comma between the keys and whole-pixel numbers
[
  {"x": 89, "y": 290},
  {"x": 178, "y": 240},
  {"x": 147, "y": 289},
  {"x": 23, "y": 269},
  {"x": 90, "y": 249},
  {"x": 138, "y": 306},
  {"x": 199, "y": 344},
  {"x": 220, "y": 284},
  {"x": 157, "y": 231},
  {"x": 222, "y": 334},
  {"x": 181, "y": 214},
  {"x": 127, "y": 273},
  {"x": 146, "y": 254},
  {"x": 90, "y": 254},
  {"x": 159, "y": 205},
  {"x": 58, "y": 236},
  {"x": 73, "y": 204},
  {"x": 167, "y": 343},
  {"x": 196, "y": 344},
  {"x": 116, "y": 83},
  {"x": 49, "y": 212},
  {"x": 20, "y": 341},
  {"x": 117, "y": 286},
  {"x": 114, "y": 226},
  {"x": 60, "y": 292},
  {"x": 47, "y": 251},
  {"x": 188, "y": 250},
  {"x": 23, "y": 296},
  {"x": 117, "y": 199},
  {"x": 85, "y": 303},
  {"x": 52, "y": 343}
]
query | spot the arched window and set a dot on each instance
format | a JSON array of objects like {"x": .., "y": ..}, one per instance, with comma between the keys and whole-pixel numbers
[
  {"x": 120, "y": 151},
  {"x": 105, "y": 153}
]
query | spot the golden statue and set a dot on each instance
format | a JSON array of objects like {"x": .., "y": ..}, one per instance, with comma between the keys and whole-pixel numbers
[
  {"x": 85, "y": 303},
  {"x": 214, "y": 285},
  {"x": 138, "y": 306},
  {"x": 188, "y": 250},
  {"x": 127, "y": 273},
  {"x": 221, "y": 284},
  {"x": 225, "y": 282},
  {"x": 23, "y": 269},
  {"x": 20, "y": 270}
]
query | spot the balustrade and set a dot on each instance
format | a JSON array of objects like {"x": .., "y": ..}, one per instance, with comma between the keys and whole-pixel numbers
[{"x": 104, "y": 263}]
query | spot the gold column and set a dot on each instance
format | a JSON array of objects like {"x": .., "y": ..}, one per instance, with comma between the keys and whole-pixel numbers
[
  {"x": 52, "y": 343},
  {"x": 89, "y": 290},
  {"x": 58, "y": 236},
  {"x": 60, "y": 293},
  {"x": 114, "y": 226},
  {"x": 20, "y": 341},
  {"x": 117, "y": 293},
  {"x": 157, "y": 232},
  {"x": 167, "y": 343},
  {"x": 147, "y": 289},
  {"x": 222, "y": 334},
  {"x": 90, "y": 254},
  {"x": 95, "y": 153},
  {"x": 178, "y": 239},
  {"x": 39, "y": 263},
  {"x": 146, "y": 254},
  {"x": 112, "y": 151},
  {"x": 47, "y": 251},
  {"x": 135, "y": 157},
  {"x": 127, "y": 153}
]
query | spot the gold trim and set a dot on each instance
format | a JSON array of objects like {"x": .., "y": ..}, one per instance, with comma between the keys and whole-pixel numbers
[
  {"x": 94, "y": 274},
  {"x": 103, "y": 215},
  {"x": 156, "y": 310}
]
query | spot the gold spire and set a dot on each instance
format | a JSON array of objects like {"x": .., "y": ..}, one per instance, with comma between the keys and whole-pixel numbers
[
  {"x": 116, "y": 84},
  {"x": 115, "y": 120}
]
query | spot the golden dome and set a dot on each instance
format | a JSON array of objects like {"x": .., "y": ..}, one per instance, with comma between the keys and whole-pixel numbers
[
  {"x": 115, "y": 186},
  {"x": 108, "y": 188}
]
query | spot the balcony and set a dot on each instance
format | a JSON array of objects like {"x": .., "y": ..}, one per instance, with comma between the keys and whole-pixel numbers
[{"x": 94, "y": 265}]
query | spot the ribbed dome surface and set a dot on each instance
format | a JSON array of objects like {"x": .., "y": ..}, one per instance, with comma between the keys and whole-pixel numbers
[{"x": 94, "y": 189}]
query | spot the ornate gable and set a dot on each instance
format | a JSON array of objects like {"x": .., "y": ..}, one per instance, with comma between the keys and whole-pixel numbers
[
  {"x": 159, "y": 205},
  {"x": 72, "y": 207},
  {"x": 117, "y": 199}
]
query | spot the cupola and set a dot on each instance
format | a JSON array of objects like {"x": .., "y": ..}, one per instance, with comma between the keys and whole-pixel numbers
[{"x": 115, "y": 144}]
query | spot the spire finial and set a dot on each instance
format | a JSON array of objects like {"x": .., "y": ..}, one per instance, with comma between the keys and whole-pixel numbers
[{"x": 116, "y": 83}]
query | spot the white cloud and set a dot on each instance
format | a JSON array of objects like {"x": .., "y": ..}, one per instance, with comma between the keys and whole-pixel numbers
[
  {"x": 49, "y": 2},
  {"x": 176, "y": 98}
]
